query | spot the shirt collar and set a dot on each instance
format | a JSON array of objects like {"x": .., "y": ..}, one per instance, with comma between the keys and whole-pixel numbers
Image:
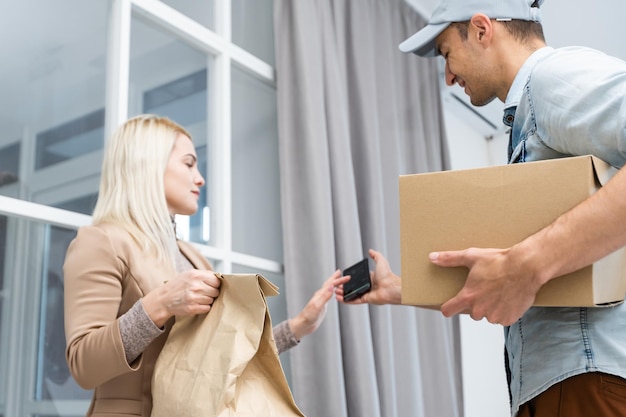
[{"x": 517, "y": 88}]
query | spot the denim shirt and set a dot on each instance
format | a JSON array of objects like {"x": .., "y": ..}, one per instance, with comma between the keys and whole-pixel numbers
[{"x": 566, "y": 102}]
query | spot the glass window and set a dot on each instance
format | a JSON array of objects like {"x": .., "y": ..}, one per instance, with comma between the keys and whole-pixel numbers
[
  {"x": 253, "y": 27},
  {"x": 77, "y": 137},
  {"x": 33, "y": 307},
  {"x": 179, "y": 91},
  {"x": 49, "y": 415},
  {"x": 183, "y": 100},
  {"x": 4, "y": 305},
  {"x": 84, "y": 204},
  {"x": 3, "y": 245},
  {"x": 52, "y": 84},
  {"x": 53, "y": 379},
  {"x": 201, "y": 11},
  {"x": 53, "y": 88},
  {"x": 257, "y": 226},
  {"x": 10, "y": 164}
]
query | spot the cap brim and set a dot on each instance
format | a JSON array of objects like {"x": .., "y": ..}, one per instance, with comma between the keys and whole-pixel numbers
[{"x": 422, "y": 43}]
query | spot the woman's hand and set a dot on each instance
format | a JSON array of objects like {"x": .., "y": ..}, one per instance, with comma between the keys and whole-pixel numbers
[
  {"x": 312, "y": 315},
  {"x": 189, "y": 293}
]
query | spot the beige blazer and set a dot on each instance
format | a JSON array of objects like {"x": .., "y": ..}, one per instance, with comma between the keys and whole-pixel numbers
[{"x": 105, "y": 273}]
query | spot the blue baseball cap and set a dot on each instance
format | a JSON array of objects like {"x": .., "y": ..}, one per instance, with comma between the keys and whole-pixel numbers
[{"x": 422, "y": 43}]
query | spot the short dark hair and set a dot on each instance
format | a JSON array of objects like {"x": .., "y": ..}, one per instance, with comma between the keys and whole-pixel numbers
[
  {"x": 520, "y": 29},
  {"x": 523, "y": 30}
]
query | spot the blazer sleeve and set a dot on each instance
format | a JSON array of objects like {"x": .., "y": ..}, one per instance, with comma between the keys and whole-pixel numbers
[{"x": 93, "y": 275}]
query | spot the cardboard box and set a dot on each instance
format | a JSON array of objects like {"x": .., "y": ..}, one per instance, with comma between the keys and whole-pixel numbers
[{"x": 497, "y": 207}]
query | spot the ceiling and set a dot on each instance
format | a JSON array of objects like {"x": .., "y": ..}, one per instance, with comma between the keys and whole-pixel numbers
[{"x": 565, "y": 23}]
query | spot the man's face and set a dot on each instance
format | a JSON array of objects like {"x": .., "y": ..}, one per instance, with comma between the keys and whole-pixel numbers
[{"x": 467, "y": 64}]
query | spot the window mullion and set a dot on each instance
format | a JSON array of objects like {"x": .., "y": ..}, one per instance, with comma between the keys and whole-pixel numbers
[
  {"x": 118, "y": 66},
  {"x": 221, "y": 165}
]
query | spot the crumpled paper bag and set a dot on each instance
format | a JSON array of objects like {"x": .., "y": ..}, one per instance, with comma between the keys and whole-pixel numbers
[{"x": 224, "y": 363}]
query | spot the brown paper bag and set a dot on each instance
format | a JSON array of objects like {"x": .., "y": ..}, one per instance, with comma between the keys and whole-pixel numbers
[{"x": 224, "y": 363}]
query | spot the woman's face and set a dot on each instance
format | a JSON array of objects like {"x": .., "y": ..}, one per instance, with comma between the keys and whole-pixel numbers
[{"x": 182, "y": 178}]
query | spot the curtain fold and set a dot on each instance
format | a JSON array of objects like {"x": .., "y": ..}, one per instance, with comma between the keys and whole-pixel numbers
[{"x": 353, "y": 114}]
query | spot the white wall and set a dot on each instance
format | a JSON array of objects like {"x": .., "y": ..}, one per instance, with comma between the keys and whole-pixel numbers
[
  {"x": 472, "y": 142},
  {"x": 482, "y": 343}
]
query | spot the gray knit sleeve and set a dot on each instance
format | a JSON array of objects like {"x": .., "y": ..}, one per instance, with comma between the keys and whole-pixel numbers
[
  {"x": 283, "y": 337},
  {"x": 137, "y": 331}
]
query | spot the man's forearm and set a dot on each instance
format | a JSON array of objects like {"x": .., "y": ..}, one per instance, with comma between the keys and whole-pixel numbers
[{"x": 588, "y": 232}]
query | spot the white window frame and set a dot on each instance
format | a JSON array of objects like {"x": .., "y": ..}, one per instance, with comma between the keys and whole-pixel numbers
[
  {"x": 219, "y": 45},
  {"x": 224, "y": 54}
]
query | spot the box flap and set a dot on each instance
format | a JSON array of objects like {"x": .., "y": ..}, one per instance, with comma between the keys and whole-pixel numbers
[
  {"x": 603, "y": 171},
  {"x": 606, "y": 291}
]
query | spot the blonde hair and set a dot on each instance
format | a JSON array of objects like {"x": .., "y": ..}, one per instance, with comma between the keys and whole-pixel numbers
[{"x": 132, "y": 193}]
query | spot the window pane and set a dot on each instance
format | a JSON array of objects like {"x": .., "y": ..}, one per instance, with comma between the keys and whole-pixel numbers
[
  {"x": 52, "y": 84},
  {"x": 84, "y": 205},
  {"x": 52, "y": 415},
  {"x": 256, "y": 195},
  {"x": 3, "y": 245},
  {"x": 201, "y": 11},
  {"x": 3, "y": 293},
  {"x": 54, "y": 381},
  {"x": 253, "y": 27},
  {"x": 77, "y": 137},
  {"x": 177, "y": 90},
  {"x": 9, "y": 164},
  {"x": 33, "y": 320}
]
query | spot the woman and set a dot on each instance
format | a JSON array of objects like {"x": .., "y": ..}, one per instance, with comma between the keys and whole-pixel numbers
[{"x": 127, "y": 276}]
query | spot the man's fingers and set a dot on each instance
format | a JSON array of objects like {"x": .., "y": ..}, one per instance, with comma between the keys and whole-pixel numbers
[
  {"x": 450, "y": 258},
  {"x": 454, "y": 306}
]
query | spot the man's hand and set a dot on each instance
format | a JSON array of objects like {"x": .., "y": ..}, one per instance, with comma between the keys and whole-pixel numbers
[
  {"x": 497, "y": 288},
  {"x": 386, "y": 286}
]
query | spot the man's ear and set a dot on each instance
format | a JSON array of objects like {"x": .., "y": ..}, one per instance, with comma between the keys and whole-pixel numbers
[{"x": 481, "y": 28}]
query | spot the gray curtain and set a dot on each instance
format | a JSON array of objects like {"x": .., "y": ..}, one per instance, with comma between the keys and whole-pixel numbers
[{"x": 353, "y": 114}]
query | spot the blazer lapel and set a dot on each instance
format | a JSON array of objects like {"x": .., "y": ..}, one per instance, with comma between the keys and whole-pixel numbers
[{"x": 194, "y": 256}]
